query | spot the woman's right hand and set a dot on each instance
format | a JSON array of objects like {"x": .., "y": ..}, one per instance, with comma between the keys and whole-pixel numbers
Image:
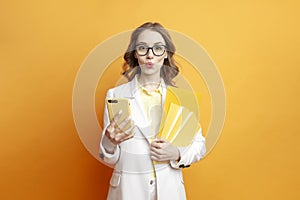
[{"x": 116, "y": 133}]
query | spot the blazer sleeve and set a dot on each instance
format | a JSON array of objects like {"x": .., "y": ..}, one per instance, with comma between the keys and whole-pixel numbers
[
  {"x": 106, "y": 145},
  {"x": 192, "y": 153}
]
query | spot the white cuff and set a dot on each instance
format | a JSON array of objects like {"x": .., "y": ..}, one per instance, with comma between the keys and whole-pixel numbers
[{"x": 174, "y": 163}]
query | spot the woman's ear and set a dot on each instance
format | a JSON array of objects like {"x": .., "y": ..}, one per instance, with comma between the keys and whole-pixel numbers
[{"x": 135, "y": 55}]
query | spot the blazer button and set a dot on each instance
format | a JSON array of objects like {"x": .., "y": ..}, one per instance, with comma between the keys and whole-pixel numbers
[
  {"x": 151, "y": 182},
  {"x": 102, "y": 156}
]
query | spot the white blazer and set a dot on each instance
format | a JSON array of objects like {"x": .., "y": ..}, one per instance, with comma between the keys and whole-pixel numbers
[{"x": 133, "y": 168}]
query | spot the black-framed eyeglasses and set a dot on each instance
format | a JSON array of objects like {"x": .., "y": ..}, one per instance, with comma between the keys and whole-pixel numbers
[{"x": 157, "y": 50}]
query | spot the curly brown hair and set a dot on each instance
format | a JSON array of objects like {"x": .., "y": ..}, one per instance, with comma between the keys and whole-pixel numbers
[{"x": 131, "y": 67}]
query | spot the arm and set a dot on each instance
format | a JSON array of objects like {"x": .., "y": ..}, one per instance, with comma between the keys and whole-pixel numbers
[
  {"x": 109, "y": 152},
  {"x": 179, "y": 157},
  {"x": 192, "y": 153},
  {"x": 113, "y": 134}
]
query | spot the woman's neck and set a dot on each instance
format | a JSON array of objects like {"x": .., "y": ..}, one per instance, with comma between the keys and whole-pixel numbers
[{"x": 149, "y": 82}]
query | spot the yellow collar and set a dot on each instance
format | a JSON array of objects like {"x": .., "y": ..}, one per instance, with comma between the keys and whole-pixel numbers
[{"x": 157, "y": 90}]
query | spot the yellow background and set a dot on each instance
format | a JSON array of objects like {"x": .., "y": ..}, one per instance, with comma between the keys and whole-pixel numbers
[{"x": 254, "y": 44}]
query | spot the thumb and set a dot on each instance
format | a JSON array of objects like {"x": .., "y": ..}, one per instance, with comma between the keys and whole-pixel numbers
[{"x": 162, "y": 140}]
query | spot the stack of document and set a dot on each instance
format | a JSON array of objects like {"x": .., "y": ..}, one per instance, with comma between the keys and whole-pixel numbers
[{"x": 179, "y": 123}]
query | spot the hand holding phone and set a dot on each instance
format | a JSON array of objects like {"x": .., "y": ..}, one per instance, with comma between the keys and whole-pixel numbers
[{"x": 121, "y": 126}]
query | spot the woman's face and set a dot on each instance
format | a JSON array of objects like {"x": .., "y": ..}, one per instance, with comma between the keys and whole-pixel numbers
[{"x": 150, "y": 63}]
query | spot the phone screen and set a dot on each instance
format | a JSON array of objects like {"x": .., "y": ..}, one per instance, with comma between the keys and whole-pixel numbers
[{"x": 115, "y": 105}]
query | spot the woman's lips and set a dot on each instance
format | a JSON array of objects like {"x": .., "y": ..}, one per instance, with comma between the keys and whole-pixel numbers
[{"x": 149, "y": 64}]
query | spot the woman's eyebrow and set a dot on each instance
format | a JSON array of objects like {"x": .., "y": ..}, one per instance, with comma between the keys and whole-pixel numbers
[
  {"x": 158, "y": 43},
  {"x": 141, "y": 43},
  {"x": 147, "y": 43}
]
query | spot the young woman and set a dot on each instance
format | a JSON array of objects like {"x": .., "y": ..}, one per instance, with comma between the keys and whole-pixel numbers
[{"x": 146, "y": 167}]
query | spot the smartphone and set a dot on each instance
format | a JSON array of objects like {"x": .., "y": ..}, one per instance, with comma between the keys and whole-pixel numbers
[{"x": 114, "y": 105}]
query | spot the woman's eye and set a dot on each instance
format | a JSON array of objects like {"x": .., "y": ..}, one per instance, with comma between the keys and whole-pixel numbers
[
  {"x": 142, "y": 48},
  {"x": 158, "y": 48}
]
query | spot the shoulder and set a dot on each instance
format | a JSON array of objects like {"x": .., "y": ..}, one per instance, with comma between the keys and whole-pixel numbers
[{"x": 120, "y": 90}]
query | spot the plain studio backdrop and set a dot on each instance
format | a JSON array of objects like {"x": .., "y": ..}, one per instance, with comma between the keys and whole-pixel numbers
[{"x": 255, "y": 46}]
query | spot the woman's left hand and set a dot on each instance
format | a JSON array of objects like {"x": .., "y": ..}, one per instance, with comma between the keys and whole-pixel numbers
[{"x": 162, "y": 150}]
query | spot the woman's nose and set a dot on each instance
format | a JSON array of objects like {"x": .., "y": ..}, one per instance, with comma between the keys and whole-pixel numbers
[{"x": 150, "y": 53}]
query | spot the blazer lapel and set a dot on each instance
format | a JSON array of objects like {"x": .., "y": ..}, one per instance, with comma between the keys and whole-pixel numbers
[{"x": 138, "y": 113}]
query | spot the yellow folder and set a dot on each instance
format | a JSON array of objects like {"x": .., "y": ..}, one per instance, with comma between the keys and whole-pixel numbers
[
  {"x": 181, "y": 97},
  {"x": 187, "y": 131},
  {"x": 180, "y": 126},
  {"x": 180, "y": 117},
  {"x": 172, "y": 122},
  {"x": 189, "y": 99}
]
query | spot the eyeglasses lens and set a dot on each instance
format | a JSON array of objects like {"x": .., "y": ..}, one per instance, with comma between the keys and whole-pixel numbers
[{"x": 157, "y": 50}]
